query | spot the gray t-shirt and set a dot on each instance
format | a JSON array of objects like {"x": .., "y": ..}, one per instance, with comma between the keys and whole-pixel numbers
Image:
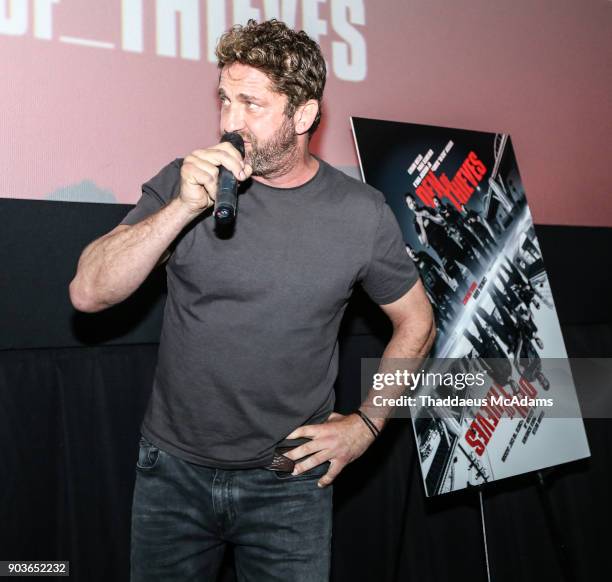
[{"x": 248, "y": 349}]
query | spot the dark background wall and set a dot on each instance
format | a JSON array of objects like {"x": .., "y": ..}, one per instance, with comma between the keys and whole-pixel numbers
[{"x": 73, "y": 389}]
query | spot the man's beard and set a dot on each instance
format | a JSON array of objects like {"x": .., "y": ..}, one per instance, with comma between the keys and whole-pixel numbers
[{"x": 276, "y": 156}]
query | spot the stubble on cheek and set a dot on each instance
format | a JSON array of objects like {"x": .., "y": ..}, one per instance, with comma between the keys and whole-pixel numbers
[{"x": 276, "y": 155}]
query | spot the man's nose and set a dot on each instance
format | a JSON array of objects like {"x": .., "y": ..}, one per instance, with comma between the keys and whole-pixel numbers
[{"x": 232, "y": 118}]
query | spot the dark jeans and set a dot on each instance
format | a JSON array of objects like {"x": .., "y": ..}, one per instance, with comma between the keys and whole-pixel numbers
[{"x": 183, "y": 515}]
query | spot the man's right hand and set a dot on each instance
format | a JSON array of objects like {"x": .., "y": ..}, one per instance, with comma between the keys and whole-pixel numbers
[{"x": 200, "y": 173}]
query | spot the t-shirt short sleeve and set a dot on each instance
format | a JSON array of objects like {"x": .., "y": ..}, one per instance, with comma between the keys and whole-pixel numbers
[
  {"x": 391, "y": 272},
  {"x": 156, "y": 193}
]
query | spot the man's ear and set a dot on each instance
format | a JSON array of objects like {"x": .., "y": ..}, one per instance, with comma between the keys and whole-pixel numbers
[{"x": 304, "y": 116}]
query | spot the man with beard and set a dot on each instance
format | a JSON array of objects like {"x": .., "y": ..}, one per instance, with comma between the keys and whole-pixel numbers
[{"x": 248, "y": 353}]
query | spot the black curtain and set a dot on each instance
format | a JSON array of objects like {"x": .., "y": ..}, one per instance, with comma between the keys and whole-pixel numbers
[{"x": 69, "y": 422}]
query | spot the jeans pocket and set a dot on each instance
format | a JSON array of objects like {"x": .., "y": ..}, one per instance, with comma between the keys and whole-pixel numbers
[{"x": 148, "y": 455}]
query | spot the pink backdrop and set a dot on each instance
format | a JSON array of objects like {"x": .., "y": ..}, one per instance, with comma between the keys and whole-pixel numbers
[{"x": 97, "y": 96}]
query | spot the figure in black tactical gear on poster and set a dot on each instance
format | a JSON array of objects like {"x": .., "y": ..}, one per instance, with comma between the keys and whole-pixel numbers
[
  {"x": 437, "y": 284},
  {"x": 432, "y": 232},
  {"x": 493, "y": 356},
  {"x": 480, "y": 227},
  {"x": 463, "y": 233}
]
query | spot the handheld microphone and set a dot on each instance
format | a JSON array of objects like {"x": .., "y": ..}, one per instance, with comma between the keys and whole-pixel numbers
[{"x": 227, "y": 191}]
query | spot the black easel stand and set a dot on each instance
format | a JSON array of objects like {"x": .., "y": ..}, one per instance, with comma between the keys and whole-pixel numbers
[
  {"x": 561, "y": 548},
  {"x": 484, "y": 534}
]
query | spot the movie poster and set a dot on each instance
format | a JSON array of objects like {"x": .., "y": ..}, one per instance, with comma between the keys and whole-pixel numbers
[{"x": 460, "y": 202}]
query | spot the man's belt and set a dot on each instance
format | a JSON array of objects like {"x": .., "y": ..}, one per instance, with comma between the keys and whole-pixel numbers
[{"x": 279, "y": 462}]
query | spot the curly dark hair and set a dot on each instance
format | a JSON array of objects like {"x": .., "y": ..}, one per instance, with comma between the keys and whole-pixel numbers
[{"x": 291, "y": 60}]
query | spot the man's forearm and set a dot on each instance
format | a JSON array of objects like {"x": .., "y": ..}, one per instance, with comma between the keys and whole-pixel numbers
[
  {"x": 114, "y": 266},
  {"x": 411, "y": 345}
]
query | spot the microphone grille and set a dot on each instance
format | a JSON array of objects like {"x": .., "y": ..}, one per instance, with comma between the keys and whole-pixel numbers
[{"x": 235, "y": 139}]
